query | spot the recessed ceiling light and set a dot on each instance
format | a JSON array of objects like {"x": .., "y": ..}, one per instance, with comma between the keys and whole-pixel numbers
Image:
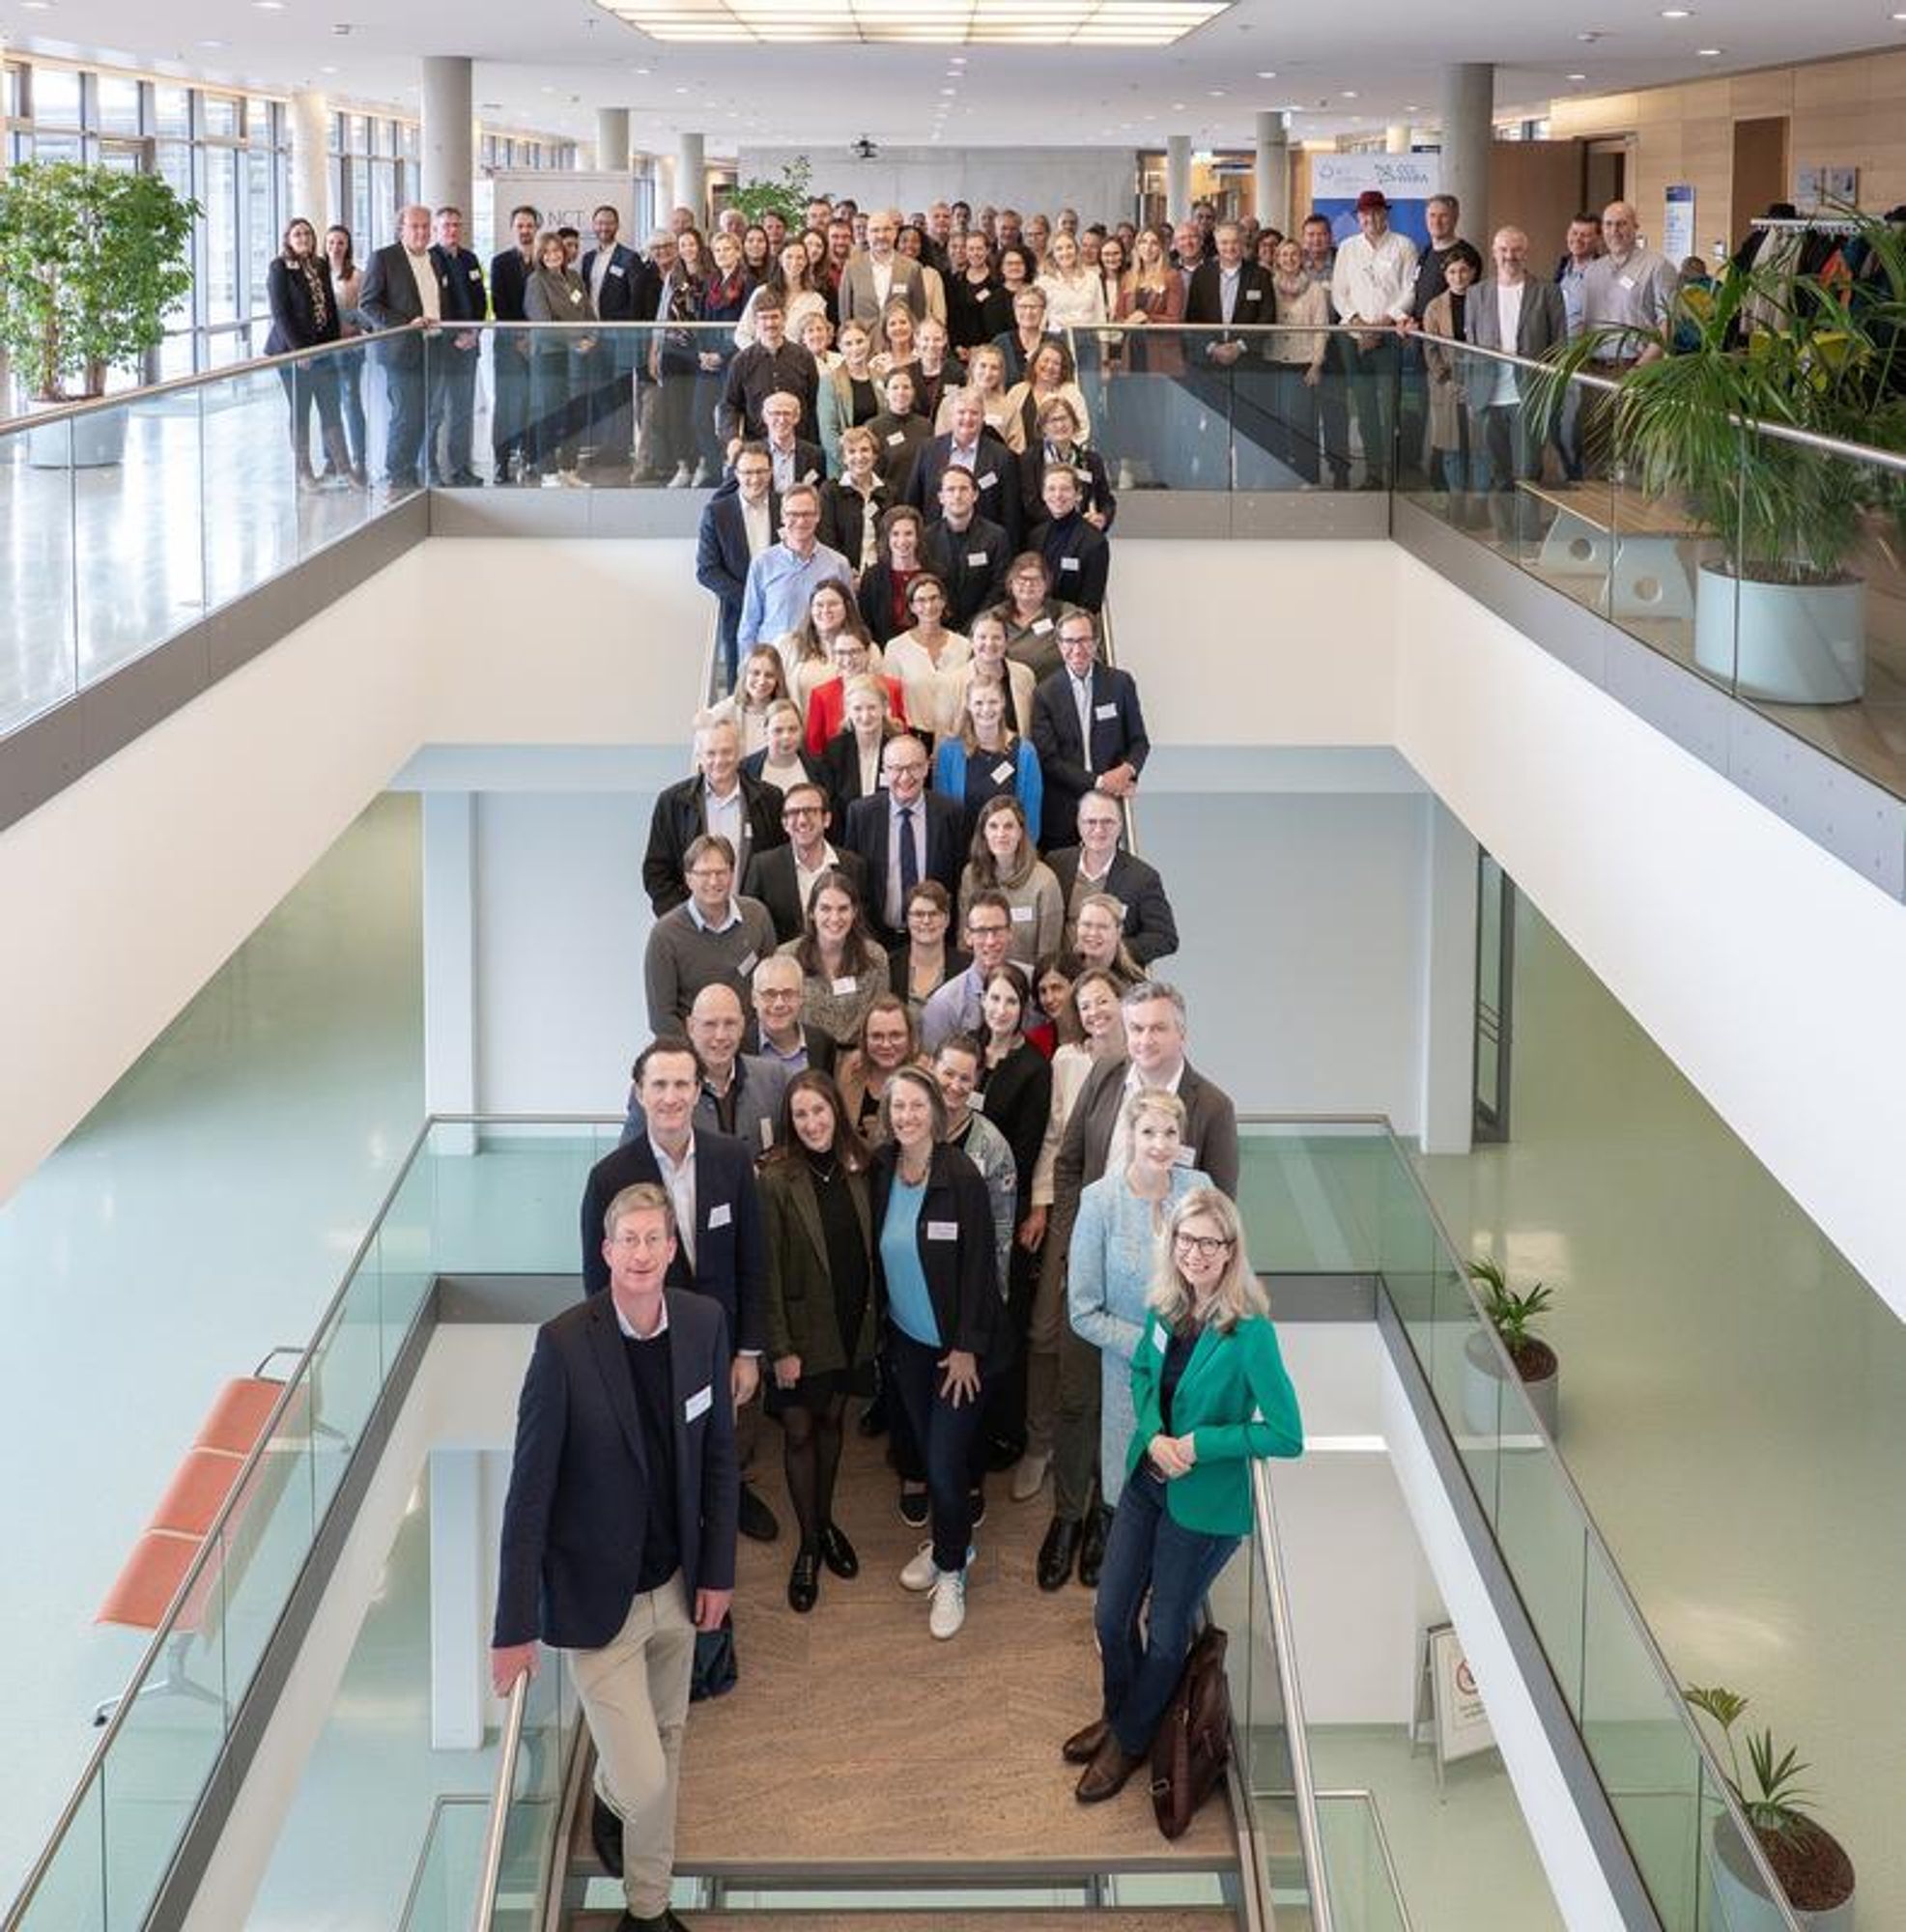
[
  {"x": 270, "y": 6},
  {"x": 1578, "y": 77},
  {"x": 1588, "y": 40},
  {"x": 1217, "y": 93},
  {"x": 1677, "y": 12},
  {"x": 949, "y": 90},
  {"x": 36, "y": 5},
  {"x": 1267, "y": 74},
  {"x": 1350, "y": 94},
  {"x": 327, "y": 70},
  {"x": 211, "y": 44},
  {"x": 957, "y": 60},
  {"x": 1709, "y": 53},
  {"x": 1412, "y": 109},
  {"x": 681, "y": 90}
]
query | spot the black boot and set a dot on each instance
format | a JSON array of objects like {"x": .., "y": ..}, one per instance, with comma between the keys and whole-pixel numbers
[
  {"x": 1092, "y": 1551},
  {"x": 1057, "y": 1553}
]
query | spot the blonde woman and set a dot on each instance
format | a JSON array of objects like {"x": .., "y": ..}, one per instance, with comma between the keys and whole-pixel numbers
[
  {"x": 850, "y": 760},
  {"x": 1004, "y": 860},
  {"x": 849, "y": 394},
  {"x": 782, "y": 762},
  {"x": 1074, "y": 295},
  {"x": 982, "y": 757},
  {"x": 985, "y": 375},
  {"x": 1097, "y": 937},
  {"x": 852, "y": 500},
  {"x": 1051, "y": 376},
  {"x": 985, "y": 637},
  {"x": 763, "y": 681}
]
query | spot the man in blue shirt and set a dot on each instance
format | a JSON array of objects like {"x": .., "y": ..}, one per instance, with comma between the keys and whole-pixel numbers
[{"x": 787, "y": 574}]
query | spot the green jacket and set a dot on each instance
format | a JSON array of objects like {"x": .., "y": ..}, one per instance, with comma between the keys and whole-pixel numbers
[
  {"x": 800, "y": 1316},
  {"x": 1235, "y": 1402}
]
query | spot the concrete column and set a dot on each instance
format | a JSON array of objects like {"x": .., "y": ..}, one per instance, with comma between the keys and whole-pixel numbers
[
  {"x": 457, "y": 1555},
  {"x": 449, "y": 961},
  {"x": 1178, "y": 176},
  {"x": 1450, "y": 984},
  {"x": 690, "y": 178},
  {"x": 612, "y": 140},
  {"x": 1396, "y": 138},
  {"x": 1468, "y": 126},
  {"x": 1273, "y": 173},
  {"x": 448, "y": 176},
  {"x": 307, "y": 116}
]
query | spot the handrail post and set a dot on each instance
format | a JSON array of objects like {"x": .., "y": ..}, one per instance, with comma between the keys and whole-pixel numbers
[{"x": 500, "y": 1808}]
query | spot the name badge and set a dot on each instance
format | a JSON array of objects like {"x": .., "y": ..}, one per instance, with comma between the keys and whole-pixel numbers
[
  {"x": 475, "y": 274},
  {"x": 1040, "y": 626},
  {"x": 1084, "y": 476},
  {"x": 700, "y": 1402},
  {"x": 977, "y": 1101},
  {"x": 1068, "y": 563},
  {"x": 767, "y": 1133},
  {"x": 575, "y": 295},
  {"x": 812, "y": 476},
  {"x": 1185, "y": 1156},
  {"x": 988, "y": 480},
  {"x": 896, "y": 439},
  {"x": 749, "y": 964},
  {"x": 943, "y": 1230},
  {"x": 1158, "y": 1339},
  {"x": 1104, "y": 712},
  {"x": 982, "y": 292},
  {"x": 1023, "y": 915},
  {"x": 1002, "y": 771},
  {"x": 1253, "y": 295},
  {"x": 977, "y": 558},
  {"x": 616, "y": 269},
  {"x": 720, "y": 1215},
  {"x": 846, "y": 984},
  {"x": 1627, "y": 281}
]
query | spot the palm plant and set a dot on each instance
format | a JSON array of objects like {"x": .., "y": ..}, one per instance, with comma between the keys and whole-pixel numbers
[
  {"x": 1510, "y": 1311},
  {"x": 1776, "y": 1806}
]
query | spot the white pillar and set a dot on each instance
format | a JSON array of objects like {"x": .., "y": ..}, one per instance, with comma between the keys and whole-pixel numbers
[
  {"x": 690, "y": 178},
  {"x": 449, "y": 961},
  {"x": 1468, "y": 126},
  {"x": 457, "y": 1647},
  {"x": 447, "y": 173},
  {"x": 612, "y": 140},
  {"x": 1178, "y": 176},
  {"x": 1273, "y": 174},
  {"x": 307, "y": 116},
  {"x": 1449, "y": 1002}
]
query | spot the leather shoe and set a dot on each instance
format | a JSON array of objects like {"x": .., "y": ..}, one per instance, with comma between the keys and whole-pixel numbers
[
  {"x": 1081, "y": 1747},
  {"x": 837, "y": 1553},
  {"x": 1056, "y": 1551},
  {"x": 605, "y": 1836},
  {"x": 1107, "y": 1775},
  {"x": 1092, "y": 1550},
  {"x": 756, "y": 1517},
  {"x": 804, "y": 1581}
]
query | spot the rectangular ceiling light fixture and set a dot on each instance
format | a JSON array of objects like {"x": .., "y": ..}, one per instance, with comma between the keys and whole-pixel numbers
[{"x": 1136, "y": 23}]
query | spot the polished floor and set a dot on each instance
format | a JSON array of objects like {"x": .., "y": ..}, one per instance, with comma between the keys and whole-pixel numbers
[
  {"x": 1733, "y": 1399},
  {"x": 202, "y": 1214}
]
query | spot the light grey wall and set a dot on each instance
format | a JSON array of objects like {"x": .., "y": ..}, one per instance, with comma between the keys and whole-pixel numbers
[{"x": 1101, "y": 182}]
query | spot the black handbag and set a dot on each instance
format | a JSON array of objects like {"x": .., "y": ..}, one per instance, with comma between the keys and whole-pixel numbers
[{"x": 715, "y": 1671}]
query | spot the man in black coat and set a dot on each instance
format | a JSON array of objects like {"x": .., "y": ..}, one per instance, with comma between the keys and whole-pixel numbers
[
  {"x": 623, "y": 287},
  {"x": 971, "y": 446},
  {"x": 453, "y": 357},
  {"x": 738, "y": 523},
  {"x": 966, "y": 552},
  {"x": 1076, "y": 552},
  {"x": 1108, "y": 751},
  {"x": 1097, "y": 864},
  {"x": 783, "y": 877},
  {"x": 1225, "y": 290},
  {"x": 619, "y": 1537},
  {"x": 878, "y": 829},
  {"x": 402, "y": 296},
  {"x": 770, "y": 366},
  {"x": 718, "y": 798},
  {"x": 510, "y": 270}
]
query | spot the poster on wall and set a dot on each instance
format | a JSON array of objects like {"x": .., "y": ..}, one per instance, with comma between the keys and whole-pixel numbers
[
  {"x": 1678, "y": 224},
  {"x": 1408, "y": 180},
  {"x": 1819, "y": 187},
  {"x": 564, "y": 199}
]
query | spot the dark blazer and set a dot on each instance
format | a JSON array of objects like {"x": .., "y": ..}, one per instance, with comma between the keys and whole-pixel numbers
[
  {"x": 571, "y": 1542},
  {"x": 865, "y": 832},
  {"x": 810, "y": 461},
  {"x": 820, "y": 1046},
  {"x": 755, "y": 764},
  {"x": 1018, "y": 1102},
  {"x": 875, "y": 598},
  {"x": 720, "y": 554},
  {"x": 1150, "y": 932},
  {"x": 730, "y": 1259},
  {"x": 995, "y": 470},
  {"x": 460, "y": 276},
  {"x": 1205, "y": 303},
  {"x": 771, "y": 880},
  {"x": 843, "y": 514},
  {"x": 897, "y": 966},
  {"x": 802, "y": 1319},
  {"x": 678, "y": 820},
  {"x": 971, "y": 563},
  {"x": 389, "y": 295},
  {"x": 962, "y": 1274},
  {"x": 840, "y": 764},
  {"x": 1088, "y": 466},
  {"x": 1115, "y": 739},
  {"x": 295, "y": 322},
  {"x": 509, "y": 273},
  {"x": 1078, "y": 557},
  {"x": 631, "y": 290}
]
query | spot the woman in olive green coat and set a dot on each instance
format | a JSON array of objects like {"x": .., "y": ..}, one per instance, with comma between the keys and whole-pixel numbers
[{"x": 820, "y": 1311}]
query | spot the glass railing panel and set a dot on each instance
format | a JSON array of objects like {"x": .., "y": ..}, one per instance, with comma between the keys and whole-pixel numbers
[
  {"x": 39, "y": 479},
  {"x": 443, "y": 1891},
  {"x": 1310, "y": 1193},
  {"x": 332, "y": 497},
  {"x": 71, "y": 1895},
  {"x": 252, "y": 499},
  {"x": 406, "y": 1250},
  {"x": 532, "y": 1819},
  {"x": 1160, "y": 407},
  {"x": 275, "y": 1516},
  {"x": 346, "y": 1375},
  {"x": 1544, "y": 1540},
  {"x": 1363, "y": 1890}
]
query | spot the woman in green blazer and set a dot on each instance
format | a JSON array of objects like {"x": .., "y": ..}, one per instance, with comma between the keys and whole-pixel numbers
[
  {"x": 1209, "y": 1391},
  {"x": 820, "y": 1310}
]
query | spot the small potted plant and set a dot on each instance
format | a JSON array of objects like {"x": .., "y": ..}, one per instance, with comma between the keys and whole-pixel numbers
[
  {"x": 91, "y": 259},
  {"x": 1510, "y": 1311},
  {"x": 1809, "y": 1863}
]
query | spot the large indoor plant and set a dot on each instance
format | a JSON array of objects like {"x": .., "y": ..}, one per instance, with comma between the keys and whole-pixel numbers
[
  {"x": 1810, "y": 1862},
  {"x": 1510, "y": 1311},
  {"x": 786, "y": 197},
  {"x": 1780, "y": 611},
  {"x": 91, "y": 259}
]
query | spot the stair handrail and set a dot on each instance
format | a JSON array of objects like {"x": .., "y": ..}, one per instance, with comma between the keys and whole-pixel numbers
[{"x": 503, "y": 1792}]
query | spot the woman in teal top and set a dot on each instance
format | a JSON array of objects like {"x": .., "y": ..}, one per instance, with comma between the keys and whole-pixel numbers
[
  {"x": 1210, "y": 1394},
  {"x": 1114, "y": 1257}
]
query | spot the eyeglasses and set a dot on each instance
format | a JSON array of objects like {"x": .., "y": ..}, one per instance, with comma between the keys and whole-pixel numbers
[
  {"x": 708, "y": 874},
  {"x": 992, "y": 931},
  {"x": 802, "y": 811},
  {"x": 1207, "y": 1247}
]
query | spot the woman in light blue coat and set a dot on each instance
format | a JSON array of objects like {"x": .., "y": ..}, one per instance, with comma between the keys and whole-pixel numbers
[{"x": 1113, "y": 1257}]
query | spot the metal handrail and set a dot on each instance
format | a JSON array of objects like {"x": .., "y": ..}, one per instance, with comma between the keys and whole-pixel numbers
[
  {"x": 500, "y": 1807},
  {"x": 1264, "y": 1509},
  {"x": 1368, "y": 1800},
  {"x": 444, "y": 1802},
  {"x": 1111, "y": 656},
  {"x": 1723, "y": 1786}
]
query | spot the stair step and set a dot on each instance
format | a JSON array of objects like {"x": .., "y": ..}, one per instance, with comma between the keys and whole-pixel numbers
[{"x": 930, "y": 1919}]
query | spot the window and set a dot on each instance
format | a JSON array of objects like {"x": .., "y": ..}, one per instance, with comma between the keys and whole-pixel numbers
[
  {"x": 55, "y": 97},
  {"x": 119, "y": 104},
  {"x": 172, "y": 110}
]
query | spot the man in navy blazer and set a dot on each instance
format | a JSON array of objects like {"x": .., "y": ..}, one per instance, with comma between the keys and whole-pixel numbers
[
  {"x": 454, "y": 355},
  {"x": 973, "y": 446},
  {"x": 510, "y": 270},
  {"x": 723, "y": 549},
  {"x": 938, "y": 849},
  {"x": 618, "y": 1539},
  {"x": 1118, "y": 748},
  {"x": 623, "y": 287}
]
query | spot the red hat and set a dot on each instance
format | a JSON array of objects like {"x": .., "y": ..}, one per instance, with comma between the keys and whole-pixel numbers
[{"x": 1371, "y": 197}]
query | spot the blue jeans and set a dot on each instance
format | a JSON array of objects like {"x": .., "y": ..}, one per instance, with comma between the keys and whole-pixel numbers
[
  {"x": 1148, "y": 1551},
  {"x": 945, "y": 1436}
]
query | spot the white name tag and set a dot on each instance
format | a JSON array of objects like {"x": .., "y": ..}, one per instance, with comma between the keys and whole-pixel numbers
[
  {"x": 1159, "y": 1340},
  {"x": 720, "y": 1215},
  {"x": 943, "y": 1230},
  {"x": 1627, "y": 281},
  {"x": 476, "y": 274},
  {"x": 1040, "y": 626},
  {"x": 1002, "y": 772},
  {"x": 987, "y": 481},
  {"x": 1253, "y": 295},
  {"x": 575, "y": 295},
  {"x": 1104, "y": 712},
  {"x": 1068, "y": 563},
  {"x": 982, "y": 292},
  {"x": 700, "y": 1402},
  {"x": 749, "y": 964},
  {"x": 767, "y": 1133},
  {"x": 812, "y": 476},
  {"x": 1084, "y": 476},
  {"x": 977, "y": 558},
  {"x": 1023, "y": 915},
  {"x": 896, "y": 439},
  {"x": 1185, "y": 1156},
  {"x": 615, "y": 269},
  {"x": 846, "y": 984}
]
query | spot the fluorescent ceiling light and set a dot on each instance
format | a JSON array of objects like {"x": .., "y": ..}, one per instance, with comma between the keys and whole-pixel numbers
[{"x": 956, "y": 22}]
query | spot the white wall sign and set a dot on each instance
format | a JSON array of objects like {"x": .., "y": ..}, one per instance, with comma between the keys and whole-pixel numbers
[
  {"x": 562, "y": 198},
  {"x": 1448, "y": 1701},
  {"x": 1678, "y": 224}
]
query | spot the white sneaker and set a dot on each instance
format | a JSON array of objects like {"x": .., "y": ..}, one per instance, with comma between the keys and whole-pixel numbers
[
  {"x": 701, "y": 478},
  {"x": 551, "y": 480},
  {"x": 921, "y": 1572},
  {"x": 949, "y": 1609},
  {"x": 1028, "y": 1477},
  {"x": 679, "y": 480}
]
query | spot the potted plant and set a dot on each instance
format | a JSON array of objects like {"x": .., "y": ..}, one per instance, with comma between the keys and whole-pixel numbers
[
  {"x": 1809, "y": 1863},
  {"x": 1781, "y": 612},
  {"x": 1510, "y": 1311},
  {"x": 786, "y": 197},
  {"x": 91, "y": 259}
]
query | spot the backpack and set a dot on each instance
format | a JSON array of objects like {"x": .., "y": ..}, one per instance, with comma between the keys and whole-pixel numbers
[{"x": 1192, "y": 1744}]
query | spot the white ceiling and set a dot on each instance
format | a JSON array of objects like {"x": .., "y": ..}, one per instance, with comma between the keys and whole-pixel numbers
[{"x": 550, "y": 65}]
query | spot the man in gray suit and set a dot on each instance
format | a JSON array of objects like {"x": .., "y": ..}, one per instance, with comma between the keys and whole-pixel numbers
[
  {"x": 873, "y": 279},
  {"x": 1063, "y": 1372},
  {"x": 1512, "y": 310}
]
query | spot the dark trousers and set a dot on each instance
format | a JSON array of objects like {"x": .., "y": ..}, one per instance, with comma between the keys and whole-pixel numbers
[
  {"x": 509, "y": 408},
  {"x": 351, "y": 403},
  {"x": 945, "y": 1436},
  {"x": 1293, "y": 419},
  {"x": 453, "y": 410},
  {"x": 1075, "y": 1426},
  {"x": 612, "y": 401},
  {"x": 1005, "y": 1400},
  {"x": 1333, "y": 412},
  {"x": 555, "y": 411},
  {"x": 672, "y": 423},
  {"x": 402, "y": 433},
  {"x": 1373, "y": 380},
  {"x": 1148, "y": 1553},
  {"x": 306, "y": 384}
]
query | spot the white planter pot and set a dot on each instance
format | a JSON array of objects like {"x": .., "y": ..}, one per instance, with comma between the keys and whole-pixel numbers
[
  {"x": 93, "y": 441},
  {"x": 1791, "y": 643},
  {"x": 1481, "y": 1383},
  {"x": 1744, "y": 1906}
]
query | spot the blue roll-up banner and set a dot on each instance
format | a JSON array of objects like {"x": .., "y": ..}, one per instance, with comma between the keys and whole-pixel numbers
[{"x": 1408, "y": 180}]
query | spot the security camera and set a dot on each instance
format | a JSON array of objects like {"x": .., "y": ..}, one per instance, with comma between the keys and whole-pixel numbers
[{"x": 866, "y": 149}]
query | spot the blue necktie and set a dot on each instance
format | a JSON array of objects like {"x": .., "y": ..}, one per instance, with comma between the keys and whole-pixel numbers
[{"x": 909, "y": 857}]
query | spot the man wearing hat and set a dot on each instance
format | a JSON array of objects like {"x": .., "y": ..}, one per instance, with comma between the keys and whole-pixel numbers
[{"x": 1373, "y": 284}]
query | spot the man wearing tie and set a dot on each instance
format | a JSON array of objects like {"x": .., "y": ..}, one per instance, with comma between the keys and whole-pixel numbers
[
  {"x": 453, "y": 355},
  {"x": 903, "y": 834},
  {"x": 1087, "y": 728}
]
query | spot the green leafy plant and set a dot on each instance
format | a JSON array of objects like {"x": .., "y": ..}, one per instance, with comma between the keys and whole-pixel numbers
[
  {"x": 1812, "y": 353},
  {"x": 1776, "y": 1804},
  {"x": 1510, "y": 1311},
  {"x": 90, "y": 261},
  {"x": 789, "y": 196}
]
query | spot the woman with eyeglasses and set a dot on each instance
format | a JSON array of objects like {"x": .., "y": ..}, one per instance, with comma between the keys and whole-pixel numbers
[
  {"x": 926, "y": 959},
  {"x": 1210, "y": 1395},
  {"x": 852, "y": 657},
  {"x": 807, "y": 651}
]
